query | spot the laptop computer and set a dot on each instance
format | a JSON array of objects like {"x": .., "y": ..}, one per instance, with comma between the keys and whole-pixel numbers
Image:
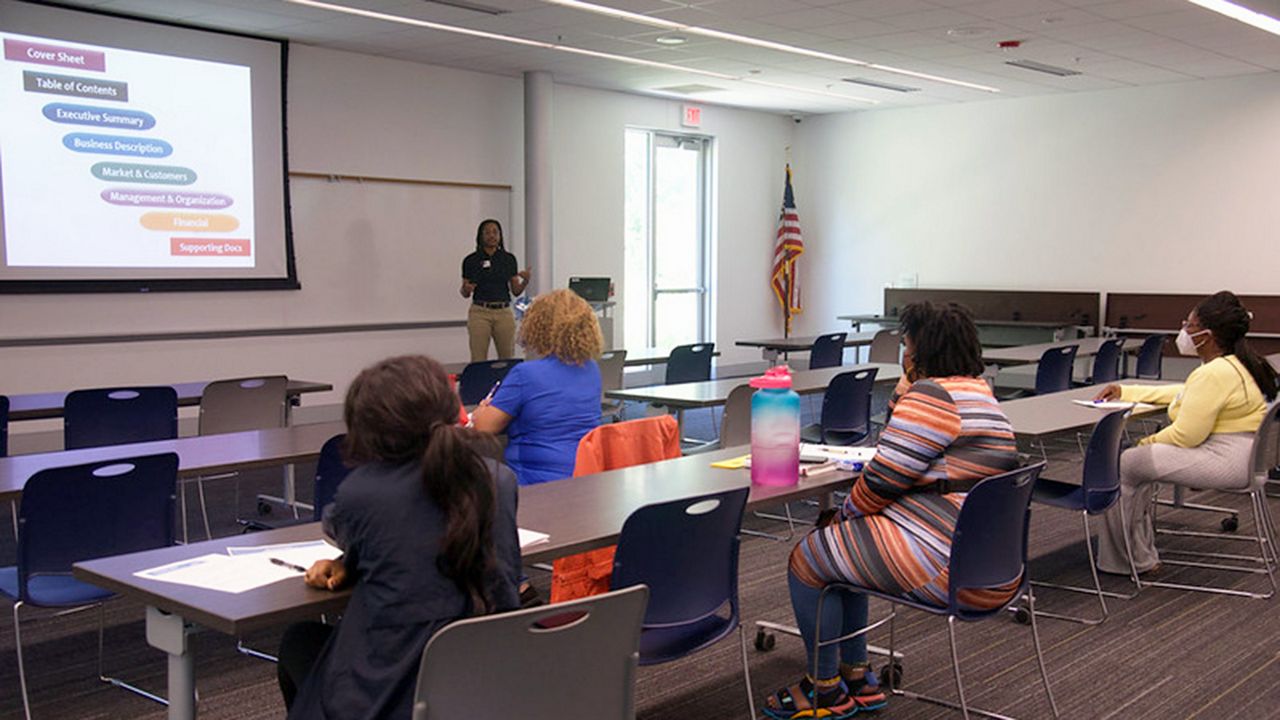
[{"x": 591, "y": 289}]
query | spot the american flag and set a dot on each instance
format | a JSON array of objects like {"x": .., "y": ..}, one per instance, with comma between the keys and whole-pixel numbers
[{"x": 786, "y": 251}]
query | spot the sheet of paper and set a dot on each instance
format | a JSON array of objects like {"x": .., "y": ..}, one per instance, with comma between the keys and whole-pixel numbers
[
  {"x": 1115, "y": 405},
  {"x": 733, "y": 463},
  {"x": 531, "y": 537},
  {"x": 838, "y": 452},
  {"x": 224, "y": 573},
  {"x": 302, "y": 554}
]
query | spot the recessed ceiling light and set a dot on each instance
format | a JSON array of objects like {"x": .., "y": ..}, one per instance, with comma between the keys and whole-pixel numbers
[
  {"x": 525, "y": 42},
  {"x": 969, "y": 32},
  {"x": 881, "y": 84},
  {"x": 671, "y": 39},
  {"x": 1042, "y": 67},
  {"x": 1243, "y": 14},
  {"x": 756, "y": 42}
]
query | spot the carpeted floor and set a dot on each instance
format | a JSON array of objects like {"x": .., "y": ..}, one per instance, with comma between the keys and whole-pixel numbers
[{"x": 1164, "y": 654}]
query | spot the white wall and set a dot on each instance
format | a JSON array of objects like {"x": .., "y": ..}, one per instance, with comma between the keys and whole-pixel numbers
[
  {"x": 749, "y": 150},
  {"x": 362, "y": 115},
  {"x": 1167, "y": 188}
]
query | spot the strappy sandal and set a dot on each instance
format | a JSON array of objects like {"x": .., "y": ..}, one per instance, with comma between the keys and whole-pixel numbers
[
  {"x": 865, "y": 690},
  {"x": 785, "y": 704}
]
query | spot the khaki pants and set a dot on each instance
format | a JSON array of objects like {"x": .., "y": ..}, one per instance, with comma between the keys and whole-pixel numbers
[{"x": 497, "y": 323}]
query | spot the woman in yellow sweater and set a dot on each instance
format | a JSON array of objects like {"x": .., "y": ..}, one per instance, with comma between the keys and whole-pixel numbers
[{"x": 1209, "y": 441}]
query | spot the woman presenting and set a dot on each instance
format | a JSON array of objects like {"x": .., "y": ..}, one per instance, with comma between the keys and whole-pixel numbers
[
  {"x": 490, "y": 278},
  {"x": 1209, "y": 443}
]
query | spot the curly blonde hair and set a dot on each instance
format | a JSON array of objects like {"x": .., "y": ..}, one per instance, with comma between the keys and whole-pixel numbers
[{"x": 562, "y": 324}]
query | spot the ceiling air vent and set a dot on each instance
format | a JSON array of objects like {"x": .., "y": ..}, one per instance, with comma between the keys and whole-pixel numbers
[
  {"x": 1042, "y": 67},
  {"x": 464, "y": 5},
  {"x": 690, "y": 89},
  {"x": 881, "y": 84}
]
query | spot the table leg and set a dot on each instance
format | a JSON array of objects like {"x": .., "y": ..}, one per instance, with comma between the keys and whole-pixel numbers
[
  {"x": 169, "y": 632},
  {"x": 770, "y": 355}
]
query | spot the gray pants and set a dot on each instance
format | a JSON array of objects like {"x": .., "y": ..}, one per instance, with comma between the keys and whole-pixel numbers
[{"x": 1219, "y": 463}]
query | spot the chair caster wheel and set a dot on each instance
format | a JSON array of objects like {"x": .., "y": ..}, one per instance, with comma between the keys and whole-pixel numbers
[
  {"x": 1022, "y": 616},
  {"x": 765, "y": 640},
  {"x": 891, "y": 674},
  {"x": 264, "y": 508},
  {"x": 1231, "y": 524}
]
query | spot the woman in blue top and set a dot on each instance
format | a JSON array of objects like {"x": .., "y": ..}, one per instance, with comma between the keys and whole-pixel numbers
[{"x": 546, "y": 405}]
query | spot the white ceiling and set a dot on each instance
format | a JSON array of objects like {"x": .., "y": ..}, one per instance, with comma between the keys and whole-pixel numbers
[{"x": 1112, "y": 43}]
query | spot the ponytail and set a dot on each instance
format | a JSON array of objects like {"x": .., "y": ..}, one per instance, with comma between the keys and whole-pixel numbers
[
  {"x": 1227, "y": 318},
  {"x": 459, "y": 482}
]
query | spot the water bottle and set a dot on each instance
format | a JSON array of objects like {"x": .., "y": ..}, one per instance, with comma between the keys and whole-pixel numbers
[{"x": 775, "y": 429}]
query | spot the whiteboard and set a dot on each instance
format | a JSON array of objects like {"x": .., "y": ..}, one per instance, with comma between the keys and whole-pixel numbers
[{"x": 386, "y": 251}]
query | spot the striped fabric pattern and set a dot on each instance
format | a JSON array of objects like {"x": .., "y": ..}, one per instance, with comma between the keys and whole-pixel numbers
[{"x": 895, "y": 532}]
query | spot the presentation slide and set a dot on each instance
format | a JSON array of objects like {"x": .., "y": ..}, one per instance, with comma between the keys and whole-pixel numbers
[{"x": 129, "y": 163}]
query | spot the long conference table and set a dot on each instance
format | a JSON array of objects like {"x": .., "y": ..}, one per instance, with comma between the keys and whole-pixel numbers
[
  {"x": 770, "y": 348},
  {"x": 37, "y": 406},
  {"x": 1028, "y": 354},
  {"x": 578, "y": 513}
]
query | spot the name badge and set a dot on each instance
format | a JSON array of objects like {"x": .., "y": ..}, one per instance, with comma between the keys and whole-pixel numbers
[{"x": 486, "y": 264}]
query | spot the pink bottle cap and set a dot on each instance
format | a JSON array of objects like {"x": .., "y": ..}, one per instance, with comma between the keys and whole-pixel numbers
[{"x": 775, "y": 378}]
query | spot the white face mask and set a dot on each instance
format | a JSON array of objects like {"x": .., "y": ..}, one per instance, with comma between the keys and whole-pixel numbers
[{"x": 1186, "y": 342}]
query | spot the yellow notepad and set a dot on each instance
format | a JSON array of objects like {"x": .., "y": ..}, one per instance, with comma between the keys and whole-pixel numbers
[{"x": 734, "y": 463}]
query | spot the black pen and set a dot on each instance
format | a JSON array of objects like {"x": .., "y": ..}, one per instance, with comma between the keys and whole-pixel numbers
[{"x": 291, "y": 566}]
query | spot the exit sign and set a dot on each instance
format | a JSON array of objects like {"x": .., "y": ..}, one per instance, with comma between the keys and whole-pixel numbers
[{"x": 692, "y": 116}]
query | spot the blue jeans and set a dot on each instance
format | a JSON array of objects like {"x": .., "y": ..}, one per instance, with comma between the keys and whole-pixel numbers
[{"x": 842, "y": 612}]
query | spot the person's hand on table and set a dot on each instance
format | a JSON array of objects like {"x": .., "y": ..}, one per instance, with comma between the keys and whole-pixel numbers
[
  {"x": 1110, "y": 392},
  {"x": 326, "y": 575}
]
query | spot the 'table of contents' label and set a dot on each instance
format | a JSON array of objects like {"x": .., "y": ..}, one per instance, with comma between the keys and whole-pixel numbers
[
  {"x": 154, "y": 174},
  {"x": 99, "y": 116},
  {"x": 75, "y": 86},
  {"x": 203, "y": 247},
  {"x": 23, "y": 51}
]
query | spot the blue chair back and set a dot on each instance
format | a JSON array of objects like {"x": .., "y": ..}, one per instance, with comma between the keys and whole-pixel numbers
[
  {"x": 846, "y": 404},
  {"x": 690, "y": 363},
  {"x": 478, "y": 378},
  {"x": 827, "y": 351},
  {"x": 1101, "y": 477},
  {"x": 331, "y": 470},
  {"x": 1150, "y": 358},
  {"x": 1106, "y": 364},
  {"x": 989, "y": 547},
  {"x": 686, "y": 551},
  {"x": 4, "y": 426},
  {"x": 114, "y": 416},
  {"x": 1054, "y": 372},
  {"x": 82, "y": 512}
]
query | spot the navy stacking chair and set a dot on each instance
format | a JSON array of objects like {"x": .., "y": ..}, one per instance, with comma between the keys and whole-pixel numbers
[
  {"x": 988, "y": 551},
  {"x": 4, "y": 426},
  {"x": 1054, "y": 371},
  {"x": 1150, "y": 358},
  {"x": 115, "y": 416},
  {"x": 331, "y": 470},
  {"x": 686, "y": 551},
  {"x": 1098, "y": 490},
  {"x": 827, "y": 351},
  {"x": 689, "y": 363},
  {"x": 81, "y": 512},
  {"x": 1106, "y": 363},
  {"x": 478, "y": 378},
  {"x": 846, "y": 410},
  {"x": 540, "y": 661}
]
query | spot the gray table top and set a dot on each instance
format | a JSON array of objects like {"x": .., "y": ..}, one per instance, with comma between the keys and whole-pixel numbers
[
  {"x": 34, "y": 406},
  {"x": 1055, "y": 412},
  {"x": 893, "y": 320},
  {"x": 1027, "y": 354},
  {"x": 712, "y": 393},
  {"x": 640, "y": 356},
  {"x": 578, "y": 514},
  {"x": 800, "y": 343},
  {"x": 200, "y": 455}
]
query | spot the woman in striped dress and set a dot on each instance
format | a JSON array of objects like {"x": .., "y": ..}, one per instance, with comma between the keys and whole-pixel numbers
[{"x": 945, "y": 432}]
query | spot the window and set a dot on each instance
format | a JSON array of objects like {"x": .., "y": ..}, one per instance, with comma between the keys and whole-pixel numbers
[{"x": 667, "y": 248}]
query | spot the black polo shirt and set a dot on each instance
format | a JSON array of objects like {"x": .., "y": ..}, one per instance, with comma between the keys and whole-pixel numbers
[{"x": 491, "y": 274}]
